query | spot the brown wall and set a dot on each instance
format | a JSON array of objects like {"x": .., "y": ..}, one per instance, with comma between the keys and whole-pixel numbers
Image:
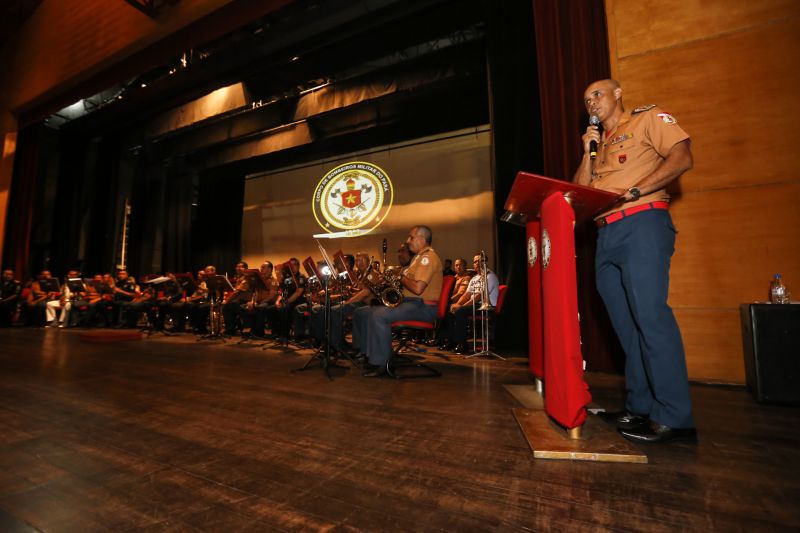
[{"x": 729, "y": 71}]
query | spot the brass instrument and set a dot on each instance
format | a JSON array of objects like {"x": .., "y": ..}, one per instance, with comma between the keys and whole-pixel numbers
[
  {"x": 486, "y": 302},
  {"x": 387, "y": 287}
]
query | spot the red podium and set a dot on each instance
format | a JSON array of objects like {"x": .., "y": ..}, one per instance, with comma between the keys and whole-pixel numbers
[{"x": 549, "y": 210}]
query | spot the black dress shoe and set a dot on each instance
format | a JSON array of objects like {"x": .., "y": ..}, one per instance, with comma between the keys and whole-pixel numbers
[
  {"x": 655, "y": 432},
  {"x": 373, "y": 371},
  {"x": 624, "y": 419}
]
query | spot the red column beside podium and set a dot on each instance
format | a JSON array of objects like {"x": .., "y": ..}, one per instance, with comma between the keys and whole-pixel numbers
[{"x": 550, "y": 209}]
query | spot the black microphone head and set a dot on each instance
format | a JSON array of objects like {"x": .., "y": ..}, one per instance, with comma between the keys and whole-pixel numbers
[
  {"x": 594, "y": 120},
  {"x": 384, "y": 245}
]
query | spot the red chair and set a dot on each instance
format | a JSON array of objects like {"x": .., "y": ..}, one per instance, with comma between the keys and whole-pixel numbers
[{"x": 419, "y": 325}]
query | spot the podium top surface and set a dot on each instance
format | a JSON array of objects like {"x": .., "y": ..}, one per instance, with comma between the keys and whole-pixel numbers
[{"x": 530, "y": 190}]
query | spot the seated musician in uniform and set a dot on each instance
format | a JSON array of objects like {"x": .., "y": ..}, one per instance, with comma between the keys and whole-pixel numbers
[
  {"x": 64, "y": 304},
  {"x": 10, "y": 291},
  {"x": 292, "y": 287},
  {"x": 263, "y": 301},
  {"x": 37, "y": 300},
  {"x": 235, "y": 304},
  {"x": 422, "y": 287},
  {"x": 125, "y": 290},
  {"x": 456, "y": 319},
  {"x": 168, "y": 293},
  {"x": 185, "y": 306},
  {"x": 360, "y": 295},
  {"x": 199, "y": 313}
]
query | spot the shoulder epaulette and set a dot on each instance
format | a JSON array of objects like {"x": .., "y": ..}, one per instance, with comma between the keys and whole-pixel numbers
[{"x": 643, "y": 108}]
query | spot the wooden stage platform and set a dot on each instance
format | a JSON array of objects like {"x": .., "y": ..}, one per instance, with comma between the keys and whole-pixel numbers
[{"x": 170, "y": 434}]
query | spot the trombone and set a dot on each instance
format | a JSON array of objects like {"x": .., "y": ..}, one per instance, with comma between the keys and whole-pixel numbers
[{"x": 484, "y": 309}]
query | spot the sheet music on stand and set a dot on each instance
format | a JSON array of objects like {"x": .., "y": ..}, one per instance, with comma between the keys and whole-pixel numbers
[{"x": 325, "y": 257}]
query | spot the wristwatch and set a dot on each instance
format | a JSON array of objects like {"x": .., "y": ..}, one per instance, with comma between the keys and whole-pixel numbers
[{"x": 635, "y": 193}]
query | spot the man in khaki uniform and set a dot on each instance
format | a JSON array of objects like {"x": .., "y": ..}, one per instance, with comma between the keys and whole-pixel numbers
[
  {"x": 639, "y": 153},
  {"x": 422, "y": 286}
]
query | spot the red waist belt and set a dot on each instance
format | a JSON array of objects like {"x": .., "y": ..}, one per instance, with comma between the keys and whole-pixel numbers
[{"x": 619, "y": 215}]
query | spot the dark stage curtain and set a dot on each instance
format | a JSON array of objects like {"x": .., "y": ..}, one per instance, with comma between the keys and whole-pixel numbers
[
  {"x": 19, "y": 217},
  {"x": 217, "y": 232},
  {"x": 572, "y": 51},
  {"x": 517, "y": 145}
]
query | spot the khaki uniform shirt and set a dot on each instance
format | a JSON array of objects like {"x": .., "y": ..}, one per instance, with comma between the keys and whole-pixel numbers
[
  {"x": 426, "y": 266},
  {"x": 634, "y": 149}
]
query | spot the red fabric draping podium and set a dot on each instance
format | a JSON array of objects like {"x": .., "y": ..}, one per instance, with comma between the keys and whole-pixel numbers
[{"x": 550, "y": 208}]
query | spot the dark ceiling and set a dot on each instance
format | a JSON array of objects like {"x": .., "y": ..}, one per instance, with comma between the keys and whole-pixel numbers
[{"x": 13, "y": 14}]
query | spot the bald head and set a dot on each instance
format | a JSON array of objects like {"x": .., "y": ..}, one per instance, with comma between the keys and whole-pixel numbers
[{"x": 603, "y": 98}]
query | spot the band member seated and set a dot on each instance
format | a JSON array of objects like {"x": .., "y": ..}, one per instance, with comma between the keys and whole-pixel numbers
[
  {"x": 456, "y": 320},
  {"x": 185, "y": 307},
  {"x": 167, "y": 293},
  {"x": 263, "y": 301},
  {"x": 306, "y": 313},
  {"x": 360, "y": 295},
  {"x": 422, "y": 287},
  {"x": 461, "y": 281},
  {"x": 63, "y": 304},
  {"x": 10, "y": 291},
  {"x": 235, "y": 304},
  {"x": 125, "y": 290},
  {"x": 292, "y": 287},
  {"x": 38, "y": 298},
  {"x": 199, "y": 313}
]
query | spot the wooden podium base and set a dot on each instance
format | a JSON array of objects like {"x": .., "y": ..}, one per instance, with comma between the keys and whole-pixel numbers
[{"x": 598, "y": 440}]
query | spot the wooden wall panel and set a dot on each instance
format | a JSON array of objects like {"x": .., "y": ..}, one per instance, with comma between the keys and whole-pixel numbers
[
  {"x": 731, "y": 242},
  {"x": 713, "y": 342},
  {"x": 648, "y": 25},
  {"x": 728, "y": 70},
  {"x": 731, "y": 95}
]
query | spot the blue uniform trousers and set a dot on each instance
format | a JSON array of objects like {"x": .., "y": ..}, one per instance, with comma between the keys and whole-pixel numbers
[
  {"x": 632, "y": 269},
  {"x": 372, "y": 326}
]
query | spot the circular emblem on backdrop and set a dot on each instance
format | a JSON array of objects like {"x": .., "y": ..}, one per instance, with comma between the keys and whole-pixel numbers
[
  {"x": 545, "y": 248},
  {"x": 533, "y": 252},
  {"x": 354, "y": 197}
]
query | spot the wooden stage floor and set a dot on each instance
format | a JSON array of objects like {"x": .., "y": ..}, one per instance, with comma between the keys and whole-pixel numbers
[{"x": 169, "y": 434}]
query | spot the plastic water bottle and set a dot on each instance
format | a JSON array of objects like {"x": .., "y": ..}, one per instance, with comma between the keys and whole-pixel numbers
[{"x": 777, "y": 291}]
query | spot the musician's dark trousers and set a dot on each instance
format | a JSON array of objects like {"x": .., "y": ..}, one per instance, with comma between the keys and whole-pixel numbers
[{"x": 339, "y": 312}]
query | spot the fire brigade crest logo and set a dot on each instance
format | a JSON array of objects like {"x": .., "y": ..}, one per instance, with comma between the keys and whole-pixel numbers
[{"x": 354, "y": 197}]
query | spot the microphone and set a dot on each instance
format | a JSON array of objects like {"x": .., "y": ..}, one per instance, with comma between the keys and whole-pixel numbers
[
  {"x": 594, "y": 120},
  {"x": 384, "y": 246}
]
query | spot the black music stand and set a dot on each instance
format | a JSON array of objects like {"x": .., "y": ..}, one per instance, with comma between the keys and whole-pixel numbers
[
  {"x": 217, "y": 286},
  {"x": 49, "y": 285},
  {"x": 323, "y": 357}
]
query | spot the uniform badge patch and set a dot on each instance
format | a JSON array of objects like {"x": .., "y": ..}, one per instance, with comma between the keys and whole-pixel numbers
[
  {"x": 623, "y": 158},
  {"x": 425, "y": 260},
  {"x": 667, "y": 118}
]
